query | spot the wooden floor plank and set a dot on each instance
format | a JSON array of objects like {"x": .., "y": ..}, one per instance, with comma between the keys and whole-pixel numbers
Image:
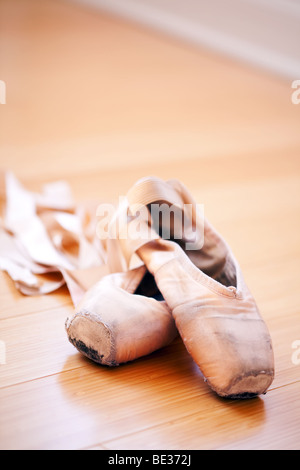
[
  {"x": 13, "y": 303},
  {"x": 253, "y": 424},
  {"x": 71, "y": 408},
  {"x": 150, "y": 391},
  {"x": 37, "y": 344},
  {"x": 101, "y": 102}
]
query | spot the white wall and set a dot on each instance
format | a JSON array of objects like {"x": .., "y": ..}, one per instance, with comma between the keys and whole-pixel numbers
[{"x": 265, "y": 33}]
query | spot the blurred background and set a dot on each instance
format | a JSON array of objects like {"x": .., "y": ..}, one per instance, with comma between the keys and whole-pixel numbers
[
  {"x": 262, "y": 32},
  {"x": 97, "y": 88}
]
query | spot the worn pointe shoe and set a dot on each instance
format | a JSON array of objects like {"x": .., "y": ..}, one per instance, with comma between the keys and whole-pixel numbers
[
  {"x": 121, "y": 318},
  {"x": 214, "y": 311}
]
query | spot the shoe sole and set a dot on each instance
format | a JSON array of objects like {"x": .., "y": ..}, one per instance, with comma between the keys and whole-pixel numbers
[
  {"x": 249, "y": 385},
  {"x": 92, "y": 338}
]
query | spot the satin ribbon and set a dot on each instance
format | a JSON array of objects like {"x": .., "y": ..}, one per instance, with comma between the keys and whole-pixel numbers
[
  {"x": 145, "y": 192},
  {"x": 47, "y": 241}
]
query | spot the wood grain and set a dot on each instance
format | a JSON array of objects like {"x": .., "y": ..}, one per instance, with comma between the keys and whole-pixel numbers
[{"x": 101, "y": 102}]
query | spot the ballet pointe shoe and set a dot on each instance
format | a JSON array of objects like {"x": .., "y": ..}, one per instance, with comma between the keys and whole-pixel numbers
[
  {"x": 121, "y": 318},
  {"x": 214, "y": 311}
]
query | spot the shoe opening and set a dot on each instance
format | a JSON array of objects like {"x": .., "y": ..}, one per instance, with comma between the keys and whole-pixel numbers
[
  {"x": 148, "y": 287},
  {"x": 213, "y": 258}
]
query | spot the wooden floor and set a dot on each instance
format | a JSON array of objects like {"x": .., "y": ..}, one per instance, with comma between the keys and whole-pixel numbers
[{"x": 100, "y": 103}]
